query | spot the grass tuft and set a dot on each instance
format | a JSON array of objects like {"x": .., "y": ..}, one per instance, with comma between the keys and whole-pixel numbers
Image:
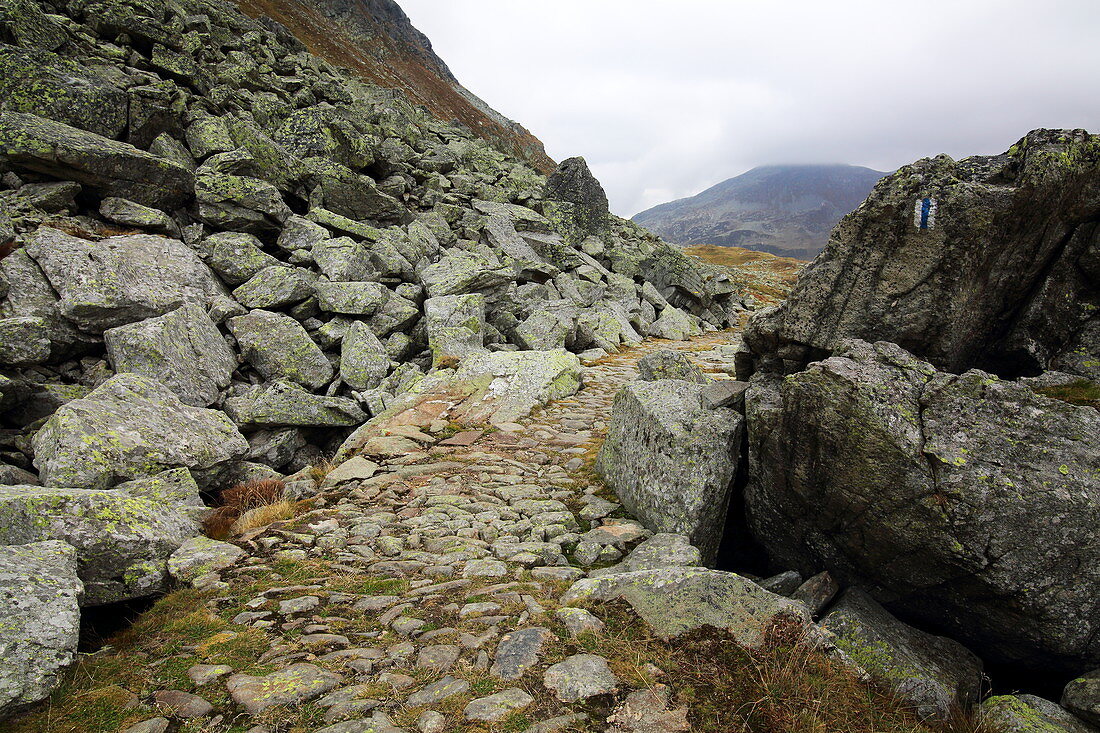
[{"x": 248, "y": 498}]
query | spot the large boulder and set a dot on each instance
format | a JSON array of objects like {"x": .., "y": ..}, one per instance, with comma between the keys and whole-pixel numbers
[
  {"x": 509, "y": 384},
  {"x": 40, "y": 596},
  {"x": 988, "y": 262},
  {"x": 122, "y": 542},
  {"x": 363, "y": 359},
  {"x": 31, "y": 295},
  {"x": 1030, "y": 714},
  {"x": 280, "y": 348},
  {"x": 961, "y": 501},
  {"x": 183, "y": 350},
  {"x": 674, "y": 601},
  {"x": 586, "y": 210},
  {"x": 933, "y": 674},
  {"x": 120, "y": 280},
  {"x": 671, "y": 461},
  {"x": 111, "y": 168},
  {"x": 131, "y": 426}
]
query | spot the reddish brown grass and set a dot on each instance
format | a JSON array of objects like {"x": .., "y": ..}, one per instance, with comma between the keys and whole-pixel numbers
[{"x": 239, "y": 499}]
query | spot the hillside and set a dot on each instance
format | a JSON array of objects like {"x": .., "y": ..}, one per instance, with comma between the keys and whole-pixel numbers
[
  {"x": 375, "y": 40},
  {"x": 787, "y": 210}
]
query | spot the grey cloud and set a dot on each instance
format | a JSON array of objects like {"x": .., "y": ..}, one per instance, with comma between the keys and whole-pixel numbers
[{"x": 665, "y": 99}]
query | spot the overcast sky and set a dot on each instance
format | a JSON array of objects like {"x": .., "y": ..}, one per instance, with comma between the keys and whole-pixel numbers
[{"x": 665, "y": 99}]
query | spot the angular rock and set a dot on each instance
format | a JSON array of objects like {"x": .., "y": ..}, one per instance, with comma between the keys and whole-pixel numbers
[
  {"x": 283, "y": 403},
  {"x": 667, "y": 364},
  {"x": 174, "y": 486},
  {"x": 24, "y": 340},
  {"x": 130, "y": 426},
  {"x": 932, "y": 674},
  {"x": 928, "y": 489},
  {"x": 350, "y": 298},
  {"x": 239, "y": 203},
  {"x": 671, "y": 462},
  {"x": 587, "y": 210},
  {"x": 199, "y": 556},
  {"x": 649, "y": 711},
  {"x": 40, "y": 596},
  {"x": 674, "y": 601},
  {"x": 675, "y": 325},
  {"x": 274, "y": 287},
  {"x": 292, "y": 686},
  {"x": 363, "y": 359},
  {"x": 130, "y": 213},
  {"x": 343, "y": 260},
  {"x": 817, "y": 592},
  {"x": 456, "y": 327},
  {"x": 235, "y": 256},
  {"x": 120, "y": 280},
  {"x": 580, "y": 677},
  {"x": 459, "y": 273},
  {"x": 108, "y": 167},
  {"x": 279, "y": 347},
  {"x": 183, "y": 350},
  {"x": 122, "y": 541}
]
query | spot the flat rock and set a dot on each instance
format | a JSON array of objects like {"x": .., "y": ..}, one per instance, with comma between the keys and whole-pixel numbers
[
  {"x": 284, "y": 403},
  {"x": 518, "y": 651},
  {"x": 497, "y": 707},
  {"x": 648, "y": 711},
  {"x": 580, "y": 677},
  {"x": 662, "y": 550},
  {"x": 294, "y": 685},
  {"x": 199, "y": 556},
  {"x": 438, "y": 691}
]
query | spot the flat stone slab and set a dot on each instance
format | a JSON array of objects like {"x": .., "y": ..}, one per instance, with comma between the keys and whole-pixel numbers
[
  {"x": 497, "y": 707},
  {"x": 438, "y": 691},
  {"x": 580, "y": 677},
  {"x": 293, "y": 685},
  {"x": 199, "y": 556},
  {"x": 518, "y": 651}
]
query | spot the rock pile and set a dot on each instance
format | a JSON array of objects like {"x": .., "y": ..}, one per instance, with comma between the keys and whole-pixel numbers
[{"x": 226, "y": 254}]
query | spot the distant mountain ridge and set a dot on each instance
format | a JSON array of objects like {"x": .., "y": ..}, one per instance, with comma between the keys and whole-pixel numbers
[
  {"x": 787, "y": 210},
  {"x": 376, "y": 40}
]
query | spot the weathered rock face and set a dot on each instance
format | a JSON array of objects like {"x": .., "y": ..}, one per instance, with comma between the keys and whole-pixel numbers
[
  {"x": 998, "y": 271},
  {"x": 962, "y": 501},
  {"x": 131, "y": 426},
  {"x": 1030, "y": 714},
  {"x": 40, "y": 596},
  {"x": 671, "y": 461},
  {"x": 932, "y": 673},
  {"x": 122, "y": 542},
  {"x": 183, "y": 350},
  {"x": 573, "y": 184}
]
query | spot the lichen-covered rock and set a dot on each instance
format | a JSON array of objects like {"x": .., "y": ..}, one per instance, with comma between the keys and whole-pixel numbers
[
  {"x": 460, "y": 272},
  {"x": 512, "y": 383},
  {"x": 933, "y": 674},
  {"x": 674, "y": 601},
  {"x": 586, "y": 210},
  {"x": 199, "y": 556},
  {"x": 1082, "y": 697},
  {"x": 291, "y": 686},
  {"x": 662, "y": 550},
  {"x": 1030, "y": 714},
  {"x": 283, "y": 403},
  {"x": 40, "y": 596},
  {"x": 133, "y": 214},
  {"x": 667, "y": 364},
  {"x": 122, "y": 541},
  {"x": 24, "y": 340},
  {"x": 120, "y": 280},
  {"x": 675, "y": 325},
  {"x": 274, "y": 287},
  {"x": 671, "y": 461},
  {"x": 54, "y": 87},
  {"x": 23, "y": 23},
  {"x": 280, "y": 348},
  {"x": 363, "y": 359},
  {"x": 174, "y": 486},
  {"x": 1019, "y": 223},
  {"x": 183, "y": 350},
  {"x": 343, "y": 259},
  {"x": 350, "y": 298},
  {"x": 239, "y": 203},
  {"x": 130, "y": 426},
  {"x": 109, "y": 167},
  {"x": 930, "y": 490},
  {"x": 456, "y": 327},
  {"x": 235, "y": 256}
]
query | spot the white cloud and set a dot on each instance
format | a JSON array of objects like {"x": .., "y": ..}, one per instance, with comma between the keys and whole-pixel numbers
[{"x": 664, "y": 99}]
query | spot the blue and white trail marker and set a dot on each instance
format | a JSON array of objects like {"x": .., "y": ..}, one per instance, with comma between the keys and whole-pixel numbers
[{"x": 924, "y": 213}]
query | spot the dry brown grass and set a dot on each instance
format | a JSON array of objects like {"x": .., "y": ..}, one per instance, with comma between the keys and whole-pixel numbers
[
  {"x": 262, "y": 516},
  {"x": 244, "y": 498}
]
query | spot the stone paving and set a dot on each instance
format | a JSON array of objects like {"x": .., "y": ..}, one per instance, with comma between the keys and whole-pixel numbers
[{"x": 426, "y": 597}]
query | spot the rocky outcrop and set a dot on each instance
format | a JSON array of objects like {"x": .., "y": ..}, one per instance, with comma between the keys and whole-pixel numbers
[
  {"x": 930, "y": 489},
  {"x": 998, "y": 270},
  {"x": 584, "y": 209},
  {"x": 40, "y": 596},
  {"x": 671, "y": 461}
]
